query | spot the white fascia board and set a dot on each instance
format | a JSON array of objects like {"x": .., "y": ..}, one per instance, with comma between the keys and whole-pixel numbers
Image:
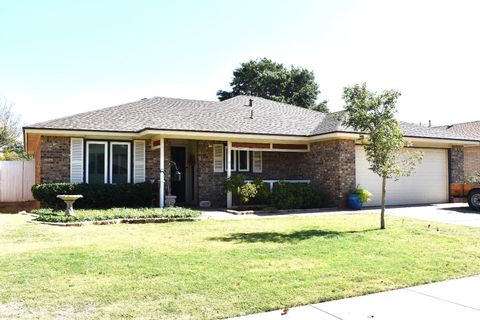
[
  {"x": 83, "y": 133},
  {"x": 198, "y": 135},
  {"x": 448, "y": 142}
]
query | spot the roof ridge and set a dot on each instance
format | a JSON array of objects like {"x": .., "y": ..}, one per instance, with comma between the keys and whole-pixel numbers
[
  {"x": 270, "y": 100},
  {"x": 184, "y": 99},
  {"x": 460, "y": 123}
]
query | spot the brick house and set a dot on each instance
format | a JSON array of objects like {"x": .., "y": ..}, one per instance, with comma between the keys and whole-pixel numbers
[
  {"x": 472, "y": 153},
  {"x": 209, "y": 141}
]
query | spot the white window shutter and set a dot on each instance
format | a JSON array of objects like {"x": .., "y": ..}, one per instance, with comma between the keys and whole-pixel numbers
[
  {"x": 257, "y": 161},
  {"x": 218, "y": 158},
  {"x": 138, "y": 161},
  {"x": 76, "y": 160}
]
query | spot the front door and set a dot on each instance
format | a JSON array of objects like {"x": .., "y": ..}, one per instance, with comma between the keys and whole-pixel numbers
[{"x": 178, "y": 187}]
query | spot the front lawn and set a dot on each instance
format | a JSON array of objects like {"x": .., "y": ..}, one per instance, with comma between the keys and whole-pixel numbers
[{"x": 217, "y": 269}]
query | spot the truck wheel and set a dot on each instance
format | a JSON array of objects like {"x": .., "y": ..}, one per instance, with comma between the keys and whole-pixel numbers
[{"x": 474, "y": 199}]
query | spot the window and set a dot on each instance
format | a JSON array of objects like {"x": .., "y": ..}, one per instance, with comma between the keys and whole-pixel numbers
[
  {"x": 234, "y": 159},
  {"x": 96, "y": 162},
  {"x": 243, "y": 160},
  {"x": 240, "y": 160},
  {"x": 108, "y": 162},
  {"x": 120, "y": 162}
]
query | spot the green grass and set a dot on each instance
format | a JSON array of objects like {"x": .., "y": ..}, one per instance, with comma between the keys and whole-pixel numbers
[
  {"x": 49, "y": 215},
  {"x": 216, "y": 269}
]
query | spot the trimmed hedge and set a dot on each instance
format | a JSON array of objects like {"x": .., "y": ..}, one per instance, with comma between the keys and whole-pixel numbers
[
  {"x": 98, "y": 196},
  {"x": 295, "y": 196},
  {"x": 50, "y": 215}
]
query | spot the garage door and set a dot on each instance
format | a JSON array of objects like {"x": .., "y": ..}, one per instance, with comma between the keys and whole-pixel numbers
[{"x": 429, "y": 183}]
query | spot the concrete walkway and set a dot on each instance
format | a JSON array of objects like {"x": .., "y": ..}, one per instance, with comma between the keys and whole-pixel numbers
[
  {"x": 454, "y": 299},
  {"x": 454, "y": 213}
]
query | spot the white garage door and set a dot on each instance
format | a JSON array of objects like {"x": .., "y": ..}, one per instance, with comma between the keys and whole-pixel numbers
[{"x": 429, "y": 183}]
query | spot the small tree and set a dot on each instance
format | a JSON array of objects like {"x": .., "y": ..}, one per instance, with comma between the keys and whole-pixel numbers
[{"x": 373, "y": 115}]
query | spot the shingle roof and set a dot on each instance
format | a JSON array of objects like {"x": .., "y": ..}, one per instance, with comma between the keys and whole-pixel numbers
[
  {"x": 468, "y": 129},
  {"x": 229, "y": 116}
]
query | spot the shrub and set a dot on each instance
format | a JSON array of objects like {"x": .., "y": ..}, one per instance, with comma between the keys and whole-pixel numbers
[
  {"x": 95, "y": 195},
  {"x": 50, "y": 215},
  {"x": 246, "y": 192},
  {"x": 295, "y": 196},
  {"x": 363, "y": 194},
  {"x": 234, "y": 182}
]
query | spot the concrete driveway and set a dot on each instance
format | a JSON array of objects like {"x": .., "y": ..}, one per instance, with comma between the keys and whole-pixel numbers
[
  {"x": 455, "y": 213},
  {"x": 453, "y": 299}
]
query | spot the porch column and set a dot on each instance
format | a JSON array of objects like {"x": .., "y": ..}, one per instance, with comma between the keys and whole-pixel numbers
[
  {"x": 229, "y": 172},
  {"x": 162, "y": 172}
]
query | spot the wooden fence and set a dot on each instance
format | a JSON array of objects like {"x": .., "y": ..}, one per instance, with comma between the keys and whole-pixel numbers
[{"x": 16, "y": 180}]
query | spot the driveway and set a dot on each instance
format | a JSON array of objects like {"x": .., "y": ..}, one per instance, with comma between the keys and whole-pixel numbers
[
  {"x": 454, "y": 213},
  {"x": 453, "y": 299}
]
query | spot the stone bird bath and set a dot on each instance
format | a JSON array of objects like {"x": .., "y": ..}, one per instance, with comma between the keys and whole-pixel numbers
[{"x": 69, "y": 199}]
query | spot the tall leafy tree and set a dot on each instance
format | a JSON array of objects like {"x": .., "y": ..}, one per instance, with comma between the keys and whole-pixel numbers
[
  {"x": 373, "y": 115},
  {"x": 9, "y": 123},
  {"x": 271, "y": 80}
]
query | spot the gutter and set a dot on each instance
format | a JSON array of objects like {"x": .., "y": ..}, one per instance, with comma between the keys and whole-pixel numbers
[{"x": 231, "y": 135}]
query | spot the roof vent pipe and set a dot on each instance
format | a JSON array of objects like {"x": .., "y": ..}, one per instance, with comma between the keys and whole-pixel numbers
[
  {"x": 250, "y": 102},
  {"x": 251, "y": 114}
]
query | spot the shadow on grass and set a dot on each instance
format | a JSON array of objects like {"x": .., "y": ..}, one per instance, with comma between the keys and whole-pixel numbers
[{"x": 292, "y": 237}]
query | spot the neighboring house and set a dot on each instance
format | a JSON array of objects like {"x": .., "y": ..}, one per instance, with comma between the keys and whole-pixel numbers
[
  {"x": 472, "y": 154},
  {"x": 209, "y": 141}
]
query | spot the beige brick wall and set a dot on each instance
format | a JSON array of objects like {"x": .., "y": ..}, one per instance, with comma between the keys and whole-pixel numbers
[
  {"x": 457, "y": 161},
  {"x": 55, "y": 159},
  {"x": 210, "y": 184},
  {"x": 331, "y": 166}
]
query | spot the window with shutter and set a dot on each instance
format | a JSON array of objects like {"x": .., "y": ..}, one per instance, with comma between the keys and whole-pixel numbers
[
  {"x": 218, "y": 158},
  {"x": 233, "y": 156},
  {"x": 257, "y": 161},
  {"x": 76, "y": 160},
  {"x": 138, "y": 161}
]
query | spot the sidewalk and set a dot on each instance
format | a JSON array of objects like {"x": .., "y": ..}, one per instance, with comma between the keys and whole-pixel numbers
[{"x": 453, "y": 299}]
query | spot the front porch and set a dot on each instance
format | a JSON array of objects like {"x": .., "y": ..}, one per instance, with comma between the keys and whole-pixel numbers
[{"x": 205, "y": 164}]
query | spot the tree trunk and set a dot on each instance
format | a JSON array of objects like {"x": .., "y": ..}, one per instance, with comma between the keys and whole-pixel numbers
[{"x": 382, "y": 212}]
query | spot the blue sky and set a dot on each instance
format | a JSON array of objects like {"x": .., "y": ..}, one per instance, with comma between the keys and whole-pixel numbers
[{"x": 63, "y": 57}]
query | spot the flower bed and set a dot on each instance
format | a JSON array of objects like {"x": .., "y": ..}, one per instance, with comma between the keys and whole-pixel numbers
[{"x": 129, "y": 215}]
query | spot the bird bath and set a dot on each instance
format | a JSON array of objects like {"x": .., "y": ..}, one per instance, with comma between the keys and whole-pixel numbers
[{"x": 69, "y": 199}]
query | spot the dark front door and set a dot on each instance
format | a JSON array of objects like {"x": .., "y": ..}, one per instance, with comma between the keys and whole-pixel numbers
[{"x": 178, "y": 187}]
